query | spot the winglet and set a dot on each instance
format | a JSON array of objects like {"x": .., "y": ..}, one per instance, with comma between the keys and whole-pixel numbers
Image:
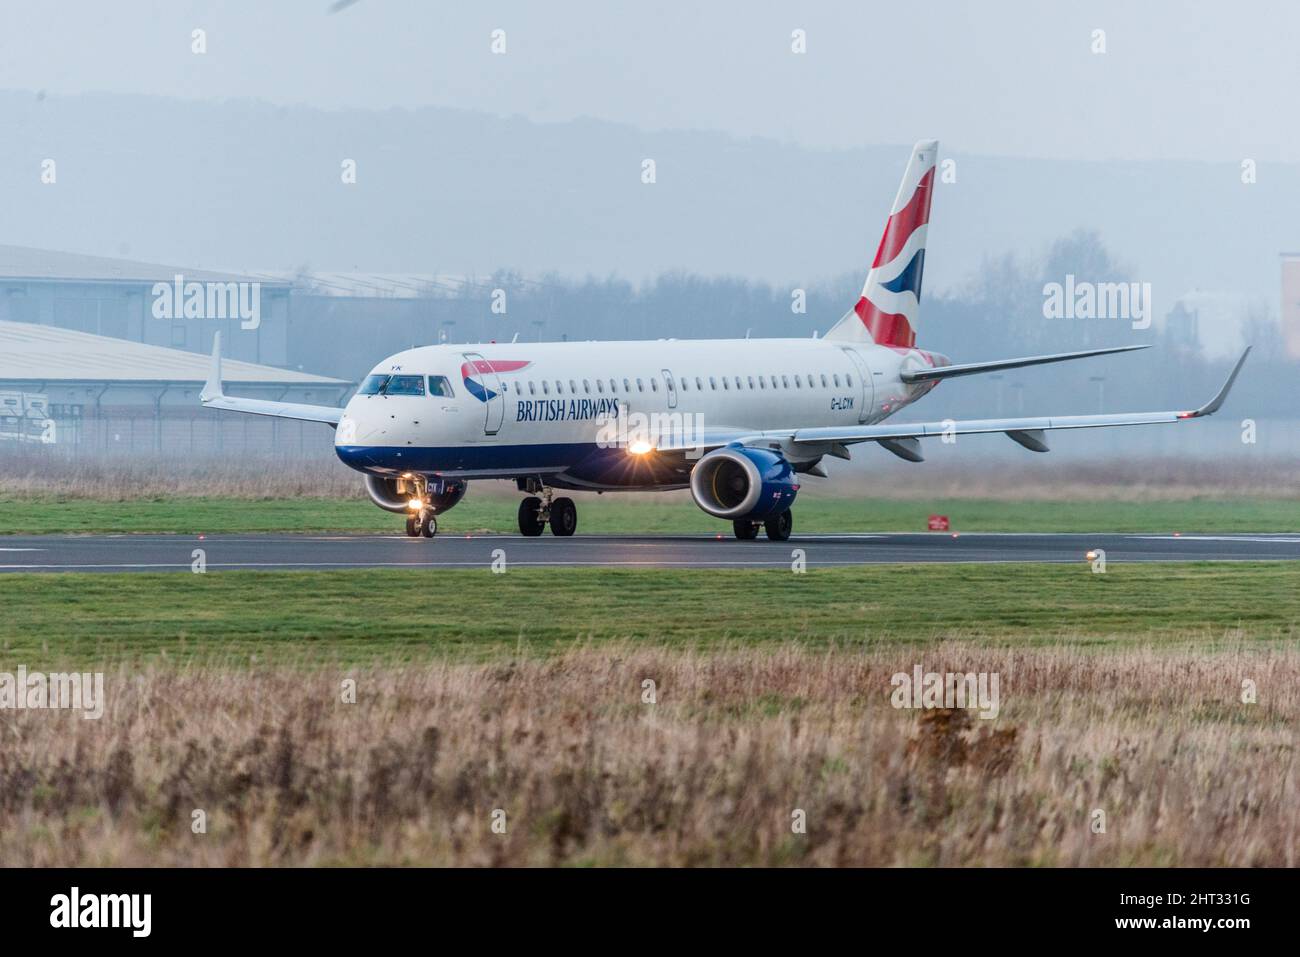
[
  {"x": 1212, "y": 406},
  {"x": 212, "y": 388}
]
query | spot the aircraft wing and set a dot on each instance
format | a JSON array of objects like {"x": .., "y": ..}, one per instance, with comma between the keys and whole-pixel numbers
[
  {"x": 213, "y": 397},
  {"x": 903, "y": 439}
]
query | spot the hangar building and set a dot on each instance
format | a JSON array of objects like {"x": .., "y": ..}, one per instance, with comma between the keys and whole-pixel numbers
[{"x": 91, "y": 393}]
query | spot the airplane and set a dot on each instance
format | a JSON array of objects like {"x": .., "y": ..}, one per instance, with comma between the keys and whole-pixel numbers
[{"x": 739, "y": 422}]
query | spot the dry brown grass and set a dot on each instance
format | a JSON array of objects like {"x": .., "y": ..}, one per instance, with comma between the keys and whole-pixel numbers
[{"x": 710, "y": 775}]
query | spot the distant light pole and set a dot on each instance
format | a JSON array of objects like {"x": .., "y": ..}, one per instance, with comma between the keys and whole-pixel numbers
[
  {"x": 445, "y": 332},
  {"x": 1020, "y": 397},
  {"x": 1101, "y": 391},
  {"x": 998, "y": 378}
]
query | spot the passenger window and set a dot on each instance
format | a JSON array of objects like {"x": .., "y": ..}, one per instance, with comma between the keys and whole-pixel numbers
[
  {"x": 627, "y": 386},
  {"x": 751, "y": 381},
  {"x": 559, "y": 387},
  {"x": 761, "y": 384},
  {"x": 613, "y": 386},
  {"x": 848, "y": 380},
  {"x": 686, "y": 384},
  {"x": 699, "y": 384},
  {"x": 532, "y": 390},
  {"x": 438, "y": 385},
  {"x": 824, "y": 383},
  {"x": 573, "y": 387},
  {"x": 586, "y": 386},
  {"x": 546, "y": 389},
  {"x": 836, "y": 378},
  {"x": 797, "y": 383},
  {"x": 600, "y": 386},
  {"x": 405, "y": 385},
  {"x": 724, "y": 384},
  {"x": 785, "y": 383},
  {"x": 640, "y": 386},
  {"x": 654, "y": 385},
  {"x": 737, "y": 382},
  {"x": 712, "y": 384}
]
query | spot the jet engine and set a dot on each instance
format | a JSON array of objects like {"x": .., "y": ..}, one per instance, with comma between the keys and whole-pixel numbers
[
  {"x": 395, "y": 494},
  {"x": 738, "y": 483}
]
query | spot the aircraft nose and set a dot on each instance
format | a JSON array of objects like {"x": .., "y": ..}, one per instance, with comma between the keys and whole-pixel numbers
[{"x": 359, "y": 426}]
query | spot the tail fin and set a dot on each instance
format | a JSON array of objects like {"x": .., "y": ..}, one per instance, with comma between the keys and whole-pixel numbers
[{"x": 887, "y": 311}]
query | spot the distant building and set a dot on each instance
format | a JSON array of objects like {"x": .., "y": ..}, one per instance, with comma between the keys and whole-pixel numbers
[
  {"x": 1291, "y": 304},
  {"x": 168, "y": 306},
  {"x": 85, "y": 392}
]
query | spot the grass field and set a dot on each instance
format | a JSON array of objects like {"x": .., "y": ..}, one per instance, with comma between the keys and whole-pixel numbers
[
  {"x": 672, "y": 513},
  {"x": 634, "y": 754},
  {"x": 384, "y": 717},
  {"x": 390, "y": 615}
]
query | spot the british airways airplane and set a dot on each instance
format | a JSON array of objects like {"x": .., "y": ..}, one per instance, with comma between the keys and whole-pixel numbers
[{"x": 737, "y": 421}]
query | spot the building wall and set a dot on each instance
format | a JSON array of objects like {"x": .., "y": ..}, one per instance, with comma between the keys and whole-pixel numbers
[
  {"x": 111, "y": 418},
  {"x": 1291, "y": 306},
  {"x": 125, "y": 311}
]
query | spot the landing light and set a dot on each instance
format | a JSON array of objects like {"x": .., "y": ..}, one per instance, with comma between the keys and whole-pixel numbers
[
  {"x": 640, "y": 447},
  {"x": 415, "y": 503}
]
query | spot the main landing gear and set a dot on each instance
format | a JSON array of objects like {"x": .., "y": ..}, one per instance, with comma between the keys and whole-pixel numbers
[
  {"x": 778, "y": 528},
  {"x": 536, "y": 513}
]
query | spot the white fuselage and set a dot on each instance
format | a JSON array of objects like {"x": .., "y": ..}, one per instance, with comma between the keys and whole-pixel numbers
[{"x": 522, "y": 409}]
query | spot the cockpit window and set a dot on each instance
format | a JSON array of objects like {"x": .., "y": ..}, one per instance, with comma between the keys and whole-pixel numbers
[
  {"x": 405, "y": 385},
  {"x": 438, "y": 385},
  {"x": 373, "y": 385}
]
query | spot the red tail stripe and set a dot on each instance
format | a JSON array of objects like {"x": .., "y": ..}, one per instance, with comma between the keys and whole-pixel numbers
[
  {"x": 886, "y": 328},
  {"x": 491, "y": 365},
  {"x": 906, "y": 221}
]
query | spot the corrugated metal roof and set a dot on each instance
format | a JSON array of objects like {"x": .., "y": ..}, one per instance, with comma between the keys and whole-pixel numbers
[
  {"x": 23, "y": 262},
  {"x": 30, "y": 351}
]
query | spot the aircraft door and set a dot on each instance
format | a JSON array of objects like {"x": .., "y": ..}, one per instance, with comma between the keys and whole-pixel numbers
[
  {"x": 868, "y": 391},
  {"x": 670, "y": 386},
  {"x": 489, "y": 384}
]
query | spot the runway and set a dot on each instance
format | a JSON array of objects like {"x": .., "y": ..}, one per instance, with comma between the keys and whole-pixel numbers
[{"x": 160, "y": 553}]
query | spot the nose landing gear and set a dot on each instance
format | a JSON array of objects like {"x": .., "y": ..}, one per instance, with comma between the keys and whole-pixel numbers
[{"x": 421, "y": 520}]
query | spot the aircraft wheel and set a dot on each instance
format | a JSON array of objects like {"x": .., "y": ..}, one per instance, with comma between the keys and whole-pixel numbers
[
  {"x": 778, "y": 526},
  {"x": 529, "y": 523},
  {"x": 564, "y": 517},
  {"x": 413, "y": 526},
  {"x": 745, "y": 530},
  {"x": 429, "y": 527}
]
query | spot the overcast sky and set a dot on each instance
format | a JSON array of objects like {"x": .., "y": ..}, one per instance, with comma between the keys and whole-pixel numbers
[{"x": 1190, "y": 80}]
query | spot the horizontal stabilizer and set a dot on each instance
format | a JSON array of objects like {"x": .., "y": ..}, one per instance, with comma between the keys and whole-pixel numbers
[{"x": 974, "y": 368}]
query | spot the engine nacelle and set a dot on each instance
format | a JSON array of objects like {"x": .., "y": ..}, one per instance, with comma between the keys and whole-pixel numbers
[
  {"x": 395, "y": 494},
  {"x": 740, "y": 483}
]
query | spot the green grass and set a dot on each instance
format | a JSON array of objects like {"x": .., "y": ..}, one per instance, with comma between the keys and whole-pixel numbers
[
  {"x": 671, "y": 514},
  {"x": 397, "y": 615}
]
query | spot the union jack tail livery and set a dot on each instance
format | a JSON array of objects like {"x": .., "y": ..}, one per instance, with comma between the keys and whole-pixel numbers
[{"x": 886, "y": 313}]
